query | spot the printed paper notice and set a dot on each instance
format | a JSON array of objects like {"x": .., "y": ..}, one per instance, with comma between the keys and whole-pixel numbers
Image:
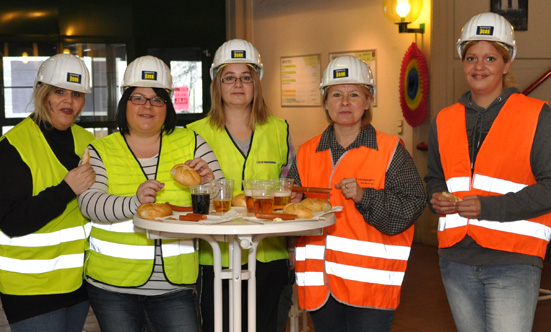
[{"x": 300, "y": 80}]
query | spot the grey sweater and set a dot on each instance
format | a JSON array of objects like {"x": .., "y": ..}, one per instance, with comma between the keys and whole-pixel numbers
[{"x": 530, "y": 202}]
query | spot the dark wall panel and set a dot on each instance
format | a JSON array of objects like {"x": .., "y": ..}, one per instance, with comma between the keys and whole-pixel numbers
[
  {"x": 141, "y": 24},
  {"x": 98, "y": 18}
]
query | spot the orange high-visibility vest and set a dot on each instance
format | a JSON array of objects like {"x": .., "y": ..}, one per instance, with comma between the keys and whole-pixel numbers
[
  {"x": 352, "y": 260},
  {"x": 502, "y": 166}
]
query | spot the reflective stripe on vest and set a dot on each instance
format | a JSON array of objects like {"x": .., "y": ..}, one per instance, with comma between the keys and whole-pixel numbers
[
  {"x": 135, "y": 252},
  {"x": 268, "y": 153},
  {"x": 356, "y": 247},
  {"x": 44, "y": 239},
  {"x": 121, "y": 247},
  {"x": 50, "y": 260},
  {"x": 502, "y": 166},
  {"x": 35, "y": 266},
  {"x": 354, "y": 262}
]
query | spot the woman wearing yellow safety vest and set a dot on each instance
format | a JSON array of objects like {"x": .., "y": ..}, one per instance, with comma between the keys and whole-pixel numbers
[
  {"x": 491, "y": 150},
  {"x": 43, "y": 234},
  {"x": 135, "y": 282},
  {"x": 350, "y": 278},
  {"x": 250, "y": 144}
]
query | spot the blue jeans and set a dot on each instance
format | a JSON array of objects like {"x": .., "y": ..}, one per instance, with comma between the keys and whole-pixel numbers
[
  {"x": 338, "y": 317},
  {"x": 69, "y": 319},
  {"x": 492, "y": 297},
  {"x": 118, "y": 312}
]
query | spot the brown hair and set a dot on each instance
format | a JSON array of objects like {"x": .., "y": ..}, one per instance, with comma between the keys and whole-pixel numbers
[
  {"x": 259, "y": 112},
  {"x": 509, "y": 79},
  {"x": 368, "y": 113}
]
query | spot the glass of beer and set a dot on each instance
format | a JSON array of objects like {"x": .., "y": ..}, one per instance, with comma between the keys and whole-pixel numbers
[
  {"x": 222, "y": 194},
  {"x": 282, "y": 192},
  {"x": 263, "y": 196},
  {"x": 248, "y": 186},
  {"x": 200, "y": 198}
]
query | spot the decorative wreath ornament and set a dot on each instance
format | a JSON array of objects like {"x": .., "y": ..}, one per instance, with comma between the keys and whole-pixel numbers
[{"x": 414, "y": 86}]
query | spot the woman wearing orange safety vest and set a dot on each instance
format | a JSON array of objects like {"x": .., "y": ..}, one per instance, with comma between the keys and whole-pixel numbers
[
  {"x": 491, "y": 150},
  {"x": 350, "y": 277}
]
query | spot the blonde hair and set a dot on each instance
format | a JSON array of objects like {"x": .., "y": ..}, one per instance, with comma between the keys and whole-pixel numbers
[
  {"x": 368, "y": 113},
  {"x": 509, "y": 80},
  {"x": 40, "y": 98},
  {"x": 259, "y": 109}
]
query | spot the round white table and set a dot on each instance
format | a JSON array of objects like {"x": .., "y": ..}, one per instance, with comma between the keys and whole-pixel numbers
[{"x": 240, "y": 234}]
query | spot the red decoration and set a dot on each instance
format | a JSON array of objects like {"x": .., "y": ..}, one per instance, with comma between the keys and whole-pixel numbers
[{"x": 414, "y": 86}]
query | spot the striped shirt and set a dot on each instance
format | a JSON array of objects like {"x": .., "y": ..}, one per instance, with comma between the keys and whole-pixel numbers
[{"x": 97, "y": 204}]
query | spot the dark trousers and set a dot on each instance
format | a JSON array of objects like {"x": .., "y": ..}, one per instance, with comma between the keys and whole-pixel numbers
[
  {"x": 270, "y": 279},
  {"x": 334, "y": 316}
]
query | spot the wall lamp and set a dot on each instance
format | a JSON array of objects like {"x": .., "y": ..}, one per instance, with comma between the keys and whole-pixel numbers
[{"x": 403, "y": 12}]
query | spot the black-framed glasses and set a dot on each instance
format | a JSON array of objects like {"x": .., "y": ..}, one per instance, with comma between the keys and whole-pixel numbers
[
  {"x": 232, "y": 79},
  {"x": 141, "y": 100}
]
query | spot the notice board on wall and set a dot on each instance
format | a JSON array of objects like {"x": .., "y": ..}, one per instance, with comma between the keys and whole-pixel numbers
[{"x": 300, "y": 80}]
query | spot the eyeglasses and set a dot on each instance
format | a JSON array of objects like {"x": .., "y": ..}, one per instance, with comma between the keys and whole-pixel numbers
[
  {"x": 141, "y": 100},
  {"x": 232, "y": 79}
]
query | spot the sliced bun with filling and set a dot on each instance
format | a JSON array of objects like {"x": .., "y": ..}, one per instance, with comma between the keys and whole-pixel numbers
[
  {"x": 298, "y": 210},
  {"x": 239, "y": 200},
  {"x": 154, "y": 210},
  {"x": 185, "y": 175},
  {"x": 317, "y": 204}
]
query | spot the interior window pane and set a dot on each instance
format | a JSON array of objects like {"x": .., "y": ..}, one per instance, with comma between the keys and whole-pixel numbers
[
  {"x": 19, "y": 74},
  {"x": 98, "y": 132},
  {"x": 188, "y": 86}
]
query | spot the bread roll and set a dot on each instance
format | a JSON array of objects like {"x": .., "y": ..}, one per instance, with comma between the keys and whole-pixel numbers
[
  {"x": 185, "y": 175},
  {"x": 452, "y": 196},
  {"x": 298, "y": 210},
  {"x": 317, "y": 204},
  {"x": 239, "y": 200},
  {"x": 154, "y": 210},
  {"x": 85, "y": 157}
]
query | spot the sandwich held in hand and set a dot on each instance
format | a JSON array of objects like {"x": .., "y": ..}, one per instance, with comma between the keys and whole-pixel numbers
[
  {"x": 154, "y": 210},
  {"x": 185, "y": 175},
  {"x": 452, "y": 196},
  {"x": 85, "y": 159}
]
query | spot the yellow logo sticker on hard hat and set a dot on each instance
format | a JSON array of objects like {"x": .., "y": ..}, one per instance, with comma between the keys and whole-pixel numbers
[
  {"x": 340, "y": 73},
  {"x": 238, "y": 54},
  {"x": 485, "y": 30},
  {"x": 74, "y": 78},
  {"x": 149, "y": 75}
]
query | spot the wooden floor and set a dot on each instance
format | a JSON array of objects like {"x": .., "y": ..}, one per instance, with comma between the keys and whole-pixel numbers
[{"x": 423, "y": 307}]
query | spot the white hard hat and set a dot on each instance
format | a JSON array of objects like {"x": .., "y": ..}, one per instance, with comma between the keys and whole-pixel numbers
[
  {"x": 347, "y": 69},
  {"x": 237, "y": 51},
  {"x": 489, "y": 27},
  {"x": 64, "y": 71},
  {"x": 147, "y": 71}
]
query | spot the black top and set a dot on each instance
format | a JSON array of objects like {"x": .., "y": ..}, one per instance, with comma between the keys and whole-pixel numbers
[{"x": 21, "y": 213}]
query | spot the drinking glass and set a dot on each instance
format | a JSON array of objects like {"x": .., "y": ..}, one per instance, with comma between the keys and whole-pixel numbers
[
  {"x": 200, "y": 198},
  {"x": 282, "y": 193},
  {"x": 263, "y": 195},
  {"x": 222, "y": 194}
]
